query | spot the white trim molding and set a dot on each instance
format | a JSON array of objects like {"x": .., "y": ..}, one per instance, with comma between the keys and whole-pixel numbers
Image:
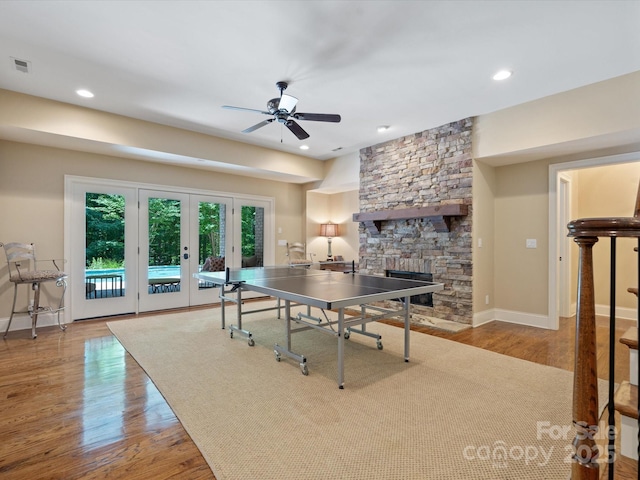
[
  {"x": 480, "y": 318},
  {"x": 22, "y": 321},
  {"x": 523, "y": 318}
]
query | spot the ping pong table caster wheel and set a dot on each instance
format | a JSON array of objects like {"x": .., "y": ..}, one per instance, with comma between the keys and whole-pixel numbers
[
  {"x": 304, "y": 369},
  {"x": 347, "y": 334},
  {"x": 251, "y": 342},
  {"x": 379, "y": 344},
  {"x": 277, "y": 354},
  {"x": 230, "y": 333}
]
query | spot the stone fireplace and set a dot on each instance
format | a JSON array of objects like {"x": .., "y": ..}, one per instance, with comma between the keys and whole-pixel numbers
[{"x": 415, "y": 214}]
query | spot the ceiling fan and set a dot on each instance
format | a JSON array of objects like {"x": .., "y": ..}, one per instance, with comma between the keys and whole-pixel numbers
[{"x": 283, "y": 110}]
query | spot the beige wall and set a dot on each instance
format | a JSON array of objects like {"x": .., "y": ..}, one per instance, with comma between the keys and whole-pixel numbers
[
  {"x": 510, "y": 201},
  {"x": 28, "y": 119},
  {"x": 32, "y": 194},
  {"x": 520, "y": 143},
  {"x": 602, "y": 115},
  {"x": 335, "y": 208},
  {"x": 483, "y": 255},
  {"x": 521, "y": 212},
  {"x": 611, "y": 192}
]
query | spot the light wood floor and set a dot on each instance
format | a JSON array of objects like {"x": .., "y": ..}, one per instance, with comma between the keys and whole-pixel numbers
[{"x": 75, "y": 405}]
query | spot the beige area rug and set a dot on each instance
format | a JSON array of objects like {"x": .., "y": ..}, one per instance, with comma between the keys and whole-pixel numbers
[{"x": 453, "y": 412}]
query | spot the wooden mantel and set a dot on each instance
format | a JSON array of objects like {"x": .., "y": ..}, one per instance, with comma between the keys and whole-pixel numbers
[{"x": 440, "y": 216}]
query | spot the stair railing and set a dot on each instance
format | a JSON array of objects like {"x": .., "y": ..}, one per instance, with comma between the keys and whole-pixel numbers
[{"x": 586, "y": 231}]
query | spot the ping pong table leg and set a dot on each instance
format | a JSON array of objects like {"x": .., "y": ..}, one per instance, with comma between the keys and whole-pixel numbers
[
  {"x": 407, "y": 326},
  {"x": 287, "y": 316},
  {"x": 222, "y": 304},
  {"x": 341, "y": 348},
  {"x": 239, "y": 305},
  {"x": 279, "y": 351}
]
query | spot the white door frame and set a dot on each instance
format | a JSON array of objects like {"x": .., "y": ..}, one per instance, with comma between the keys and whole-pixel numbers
[
  {"x": 564, "y": 245},
  {"x": 555, "y": 171}
]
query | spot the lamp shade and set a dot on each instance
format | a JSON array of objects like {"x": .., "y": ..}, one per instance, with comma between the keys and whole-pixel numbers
[{"x": 329, "y": 230}]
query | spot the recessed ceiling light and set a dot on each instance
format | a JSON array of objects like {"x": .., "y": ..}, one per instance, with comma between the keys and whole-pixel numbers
[
  {"x": 383, "y": 128},
  {"x": 304, "y": 147},
  {"x": 84, "y": 93},
  {"x": 502, "y": 75}
]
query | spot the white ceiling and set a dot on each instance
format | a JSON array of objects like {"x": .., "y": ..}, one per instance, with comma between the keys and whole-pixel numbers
[{"x": 412, "y": 65}]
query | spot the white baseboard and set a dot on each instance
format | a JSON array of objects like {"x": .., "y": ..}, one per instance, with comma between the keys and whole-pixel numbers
[
  {"x": 624, "y": 313},
  {"x": 522, "y": 318},
  {"x": 480, "y": 318},
  {"x": 519, "y": 318},
  {"x": 541, "y": 321},
  {"x": 628, "y": 436},
  {"x": 22, "y": 321}
]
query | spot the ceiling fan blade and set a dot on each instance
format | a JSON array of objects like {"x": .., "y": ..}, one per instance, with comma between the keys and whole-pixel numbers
[
  {"x": 258, "y": 125},
  {"x": 287, "y": 102},
  {"x": 318, "y": 117},
  {"x": 229, "y": 107},
  {"x": 297, "y": 130}
]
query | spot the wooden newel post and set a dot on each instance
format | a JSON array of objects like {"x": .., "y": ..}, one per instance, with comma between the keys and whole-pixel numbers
[
  {"x": 585, "y": 232},
  {"x": 585, "y": 381}
]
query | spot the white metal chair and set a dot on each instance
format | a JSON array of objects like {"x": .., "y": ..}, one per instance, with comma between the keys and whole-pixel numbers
[
  {"x": 23, "y": 270},
  {"x": 297, "y": 255}
]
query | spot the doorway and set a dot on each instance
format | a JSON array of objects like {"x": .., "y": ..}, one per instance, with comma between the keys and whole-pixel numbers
[{"x": 559, "y": 204}]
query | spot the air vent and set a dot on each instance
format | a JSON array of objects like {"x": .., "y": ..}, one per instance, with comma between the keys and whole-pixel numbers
[
  {"x": 336, "y": 149},
  {"x": 23, "y": 66}
]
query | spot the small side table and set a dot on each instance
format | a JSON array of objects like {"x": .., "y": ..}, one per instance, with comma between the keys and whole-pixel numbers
[{"x": 339, "y": 266}]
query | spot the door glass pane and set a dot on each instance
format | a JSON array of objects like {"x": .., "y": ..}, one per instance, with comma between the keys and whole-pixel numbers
[
  {"x": 163, "y": 274},
  {"x": 104, "y": 245},
  {"x": 252, "y": 236},
  {"x": 211, "y": 239}
]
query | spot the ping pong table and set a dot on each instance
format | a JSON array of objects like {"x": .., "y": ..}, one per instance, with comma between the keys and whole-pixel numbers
[{"x": 324, "y": 290}]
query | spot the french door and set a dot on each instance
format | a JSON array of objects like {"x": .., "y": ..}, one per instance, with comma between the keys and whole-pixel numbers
[
  {"x": 163, "y": 260},
  {"x": 102, "y": 246},
  {"x": 134, "y": 249},
  {"x": 178, "y": 232}
]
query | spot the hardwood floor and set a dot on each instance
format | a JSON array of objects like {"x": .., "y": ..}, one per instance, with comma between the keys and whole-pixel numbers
[{"x": 75, "y": 405}]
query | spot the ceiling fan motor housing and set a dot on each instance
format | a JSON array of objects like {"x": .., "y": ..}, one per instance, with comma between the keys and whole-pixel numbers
[{"x": 272, "y": 105}]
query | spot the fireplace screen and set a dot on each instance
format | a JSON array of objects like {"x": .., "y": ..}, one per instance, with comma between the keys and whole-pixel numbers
[{"x": 425, "y": 299}]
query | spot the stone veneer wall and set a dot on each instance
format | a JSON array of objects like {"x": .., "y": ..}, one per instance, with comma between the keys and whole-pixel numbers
[{"x": 433, "y": 167}]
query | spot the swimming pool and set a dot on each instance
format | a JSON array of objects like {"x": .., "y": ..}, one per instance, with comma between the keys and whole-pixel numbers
[{"x": 159, "y": 271}]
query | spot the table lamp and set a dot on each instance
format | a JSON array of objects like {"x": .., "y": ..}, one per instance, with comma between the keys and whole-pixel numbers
[{"x": 329, "y": 230}]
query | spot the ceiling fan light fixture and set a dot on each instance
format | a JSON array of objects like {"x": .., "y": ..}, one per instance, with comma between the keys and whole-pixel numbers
[
  {"x": 288, "y": 103},
  {"x": 383, "y": 128},
  {"x": 502, "y": 75}
]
